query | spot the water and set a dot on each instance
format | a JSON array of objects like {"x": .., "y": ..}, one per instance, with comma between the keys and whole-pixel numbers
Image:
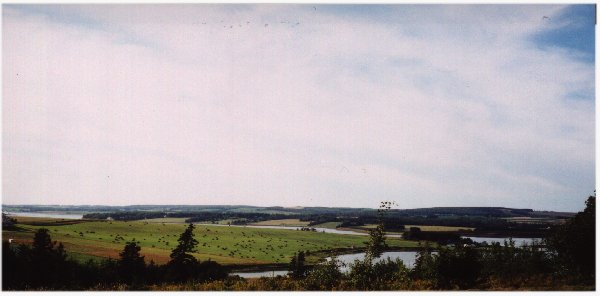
[
  {"x": 57, "y": 215},
  {"x": 518, "y": 241},
  {"x": 318, "y": 229},
  {"x": 408, "y": 257},
  {"x": 258, "y": 274}
]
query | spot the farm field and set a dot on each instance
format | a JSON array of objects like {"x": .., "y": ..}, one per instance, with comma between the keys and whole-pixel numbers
[{"x": 225, "y": 245}]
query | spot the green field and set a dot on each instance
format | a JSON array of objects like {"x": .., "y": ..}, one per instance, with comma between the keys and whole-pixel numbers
[
  {"x": 166, "y": 220},
  {"x": 224, "y": 244}
]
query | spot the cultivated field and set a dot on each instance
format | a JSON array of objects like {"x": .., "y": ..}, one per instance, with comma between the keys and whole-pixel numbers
[{"x": 224, "y": 244}]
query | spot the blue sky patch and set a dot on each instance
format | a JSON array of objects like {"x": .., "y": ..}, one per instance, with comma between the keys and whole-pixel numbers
[
  {"x": 63, "y": 14},
  {"x": 578, "y": 34}
]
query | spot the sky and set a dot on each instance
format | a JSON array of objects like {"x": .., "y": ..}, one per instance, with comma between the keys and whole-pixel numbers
[{"x": 299, "y": 105}]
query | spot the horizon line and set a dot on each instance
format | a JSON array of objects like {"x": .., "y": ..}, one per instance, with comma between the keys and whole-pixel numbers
[{"x": 285, "y": 207}]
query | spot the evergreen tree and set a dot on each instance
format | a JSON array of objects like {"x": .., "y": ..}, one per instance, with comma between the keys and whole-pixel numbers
[
  {"x": 293, "y": 264},
  {"x": 297, "y": 268},
  {"x": 47, "y": 262},
  {"x": 131, "y": 265},
  {"x": 574, "y": 243},
  {"x": 42, "y": 241},
  {"x": 300, "y": 267},
  {"x": 8, "y": 223},
  {"x": 183, "y": 264}
]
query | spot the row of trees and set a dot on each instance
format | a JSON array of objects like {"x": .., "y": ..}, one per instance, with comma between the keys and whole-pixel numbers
[
  {"x": 190, "y": 215},
  {"x": 45, "y": 265}
]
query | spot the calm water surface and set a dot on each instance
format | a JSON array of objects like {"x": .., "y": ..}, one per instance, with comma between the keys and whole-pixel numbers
[
  {"x": 408, "y": 257},
  {"x": 57, "y": 215},
  {"x": 519, "y": 241},
  {"x": 258, "y": 274}
]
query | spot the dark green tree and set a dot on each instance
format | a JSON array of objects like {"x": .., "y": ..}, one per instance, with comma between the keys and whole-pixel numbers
[
  {"x": 424, "y": 267},
  {"x": 8, "y": 223},
  {"x": 324, "y": 277},
  {"x": 574, "y": 243},
  {"x": 458, "y": 267},
  {"x": 48, "y": 260},
  {"x": 11, "y": 269},
  {"x": 131, "y": 264},
  {"x": 183, "y": 264},
  {"x": 42, "y": 241},
  {"x": 297, "y": 268},
  {"x": 187, "y": 244}
]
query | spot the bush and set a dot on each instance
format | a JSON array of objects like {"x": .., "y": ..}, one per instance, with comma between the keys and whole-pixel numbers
[
  {"x": 459, "y": 267},
  {"x": 324, "y": 277}
]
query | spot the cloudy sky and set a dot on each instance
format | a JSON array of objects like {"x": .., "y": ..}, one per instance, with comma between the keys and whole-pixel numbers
[{"x": 299, "y": 105}]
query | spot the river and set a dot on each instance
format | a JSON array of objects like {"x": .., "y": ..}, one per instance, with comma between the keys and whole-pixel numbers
[
  {"x": 519, "y": 242},
  {"x": 408, "y": 257},
  {"x": 57, "y": 215}
]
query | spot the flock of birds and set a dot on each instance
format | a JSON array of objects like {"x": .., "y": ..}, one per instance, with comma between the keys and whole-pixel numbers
[{"x": 248, "y": 23}]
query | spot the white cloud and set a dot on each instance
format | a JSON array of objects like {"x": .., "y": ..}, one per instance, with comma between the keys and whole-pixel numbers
[{"x": 451, "y": 105}]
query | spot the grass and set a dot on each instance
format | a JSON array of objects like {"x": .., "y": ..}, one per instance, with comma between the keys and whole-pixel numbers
[
  {"x": 224, "y": 244},
  {"x": 166, "y": 220},
  {"x": 331, "y": 225},
  {"x": 282, "y": 222}
]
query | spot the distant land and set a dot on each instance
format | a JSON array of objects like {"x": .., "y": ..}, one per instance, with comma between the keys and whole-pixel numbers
[{"x": 438, "y": 211}]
